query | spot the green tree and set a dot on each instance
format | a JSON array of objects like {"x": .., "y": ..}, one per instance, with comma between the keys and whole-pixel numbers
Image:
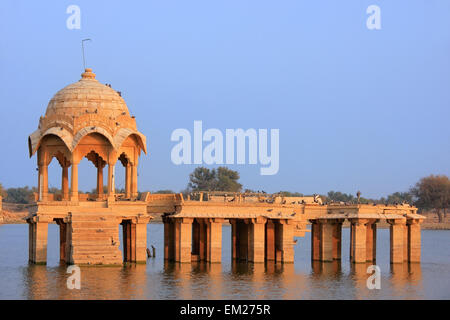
[
  {"x": 433, "y": 192},
  {"x": 290, "y": 194},
  {"x": 338, "y": 196},
  {"x": 19, "y": 195},
  {"x": 227, "y": 180},
  {"x": 400, "y": 197},
  {"x": 222, "y": 179},
  {"x": 163, "y": 192}
]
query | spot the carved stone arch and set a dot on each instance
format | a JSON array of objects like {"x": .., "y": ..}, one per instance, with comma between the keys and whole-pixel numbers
[
  {"x": 88, "y": 130},
  {"x": 123, "y": 133},
  {"x": 35, "y": 140}
]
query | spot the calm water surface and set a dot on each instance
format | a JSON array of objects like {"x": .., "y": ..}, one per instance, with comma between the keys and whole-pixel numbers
[{"x": 157, "y": 280}]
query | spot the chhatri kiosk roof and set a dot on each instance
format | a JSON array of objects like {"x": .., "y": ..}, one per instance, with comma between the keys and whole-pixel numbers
[{"x": 84, "y": 107}]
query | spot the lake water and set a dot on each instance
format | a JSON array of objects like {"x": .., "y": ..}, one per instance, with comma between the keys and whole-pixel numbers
[{"x": 159, "y": 280}]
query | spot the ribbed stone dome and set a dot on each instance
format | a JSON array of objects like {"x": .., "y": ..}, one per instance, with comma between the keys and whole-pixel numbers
[{"x": 87, "y": 96}]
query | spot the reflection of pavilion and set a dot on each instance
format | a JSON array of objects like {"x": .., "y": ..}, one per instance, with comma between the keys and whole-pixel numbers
[{"x": 88, "y": 119}]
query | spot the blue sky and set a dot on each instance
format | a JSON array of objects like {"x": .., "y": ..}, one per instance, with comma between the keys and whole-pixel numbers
[{"x": 357, "y": 109}]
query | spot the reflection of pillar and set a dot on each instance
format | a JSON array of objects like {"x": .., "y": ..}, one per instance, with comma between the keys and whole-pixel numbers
[
  {"x": 256, "y": 239},
  {"x": 371, "y": 240},
  {"x": 414, "y": 239},
  {"x": 65, "y": 182},
  {"x": 128, "y": 180},
  {"x": 359, "y": 238},
  {"x": 270, "y": 240},
  {"x": 38, "y": 241},
  {"x": 99, "y": 180},
  {"x": 397, "y": 238},
  {"x": 74, "y": 182},
  {"x": 214, "y": 240}
]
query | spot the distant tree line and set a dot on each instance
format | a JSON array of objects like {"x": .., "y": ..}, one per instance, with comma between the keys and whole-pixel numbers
[{"x": 429, "y": 193}]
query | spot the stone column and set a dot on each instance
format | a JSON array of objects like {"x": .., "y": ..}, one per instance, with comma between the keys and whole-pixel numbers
[
  {"x": 74, "y": 182},
  {"x": 337, "y": 239},
  {"x": 168, "y": 239},
  {"x": 326, "y": 240},
  {"x": 214, "y": 240},
  {"x": 65, "y": 183},
  {"x": 111, "y": 183},
  {"x": 270, "y": 240},
  {"x": 202, "y": 240},
  {"x": 397, "y": 229},
  {"x": 359, "y": 239},
  {"x": 62, "y": 240},
  {"x": 184, "y": 227},
  {"x": 371, "y": 240},
  {"x": 128, "y": 180},
  {"x": 257, "y": 240},
  {"x": 140, "y": 233},
  {"x": 414, "y": 240},
  {"x": 43, "y": 177},
  {"x": 315, "y": 240},
  {"x": 38, "y": 231},
  {"x": 234, "y": 242},
  {"x": 134, "y": 185},
  {"x": 242, "y": 239},
  {"x": 285, "y": 240},
  {"x": 99, "y": 180}
]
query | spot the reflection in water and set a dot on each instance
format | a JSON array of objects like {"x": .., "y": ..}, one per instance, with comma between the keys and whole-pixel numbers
[{"x": 228, "y": 280}]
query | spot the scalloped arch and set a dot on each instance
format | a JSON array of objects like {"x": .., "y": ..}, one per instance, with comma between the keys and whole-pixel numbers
[
  {"x": 123, "y": 133},
  {"x": 85, "y": 131}
]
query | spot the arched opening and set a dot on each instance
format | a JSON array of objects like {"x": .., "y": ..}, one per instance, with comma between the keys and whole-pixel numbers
[{"x": 91, "y": 177}]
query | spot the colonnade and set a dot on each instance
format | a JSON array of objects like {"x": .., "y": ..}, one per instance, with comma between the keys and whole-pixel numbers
[
  {"x": 252, "y": 239},
  {"x": 326, "y": 239},
  {"x": 131, "y": 189}
]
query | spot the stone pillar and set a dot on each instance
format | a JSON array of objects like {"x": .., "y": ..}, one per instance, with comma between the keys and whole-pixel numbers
[
  {"x": 414, "y": 240},
  {"x": 111, "y": 183},
  {"x": 242, "y": 239},
  {"x": 62, "y": 240},
  {"x": 326, "y": 240},
  {"x": 65, "y": 183},
  {"x": 140, "y": 233},
  {"x": 134, "y": 185},
  {"x": 397, "y": 229},
  {"x": 270, "y": 240},
  {"x": 43, "y": 181},
  {"x": 203, "y": 240},
  {"x": 405, "y": 242},
  {"x": 169, "y": 244},
  {"x": 214, "y": 240},
  {"x": 195, "y": 240},
  {"x": 256, "y": 240},
  {"x": 99, "y": 180},
  {"x": 74, "y": 182},
  {"x": 359, "y": 239},
  {"x": 315, "y": 240},
  {"x": 337, "y": 239},
  {"x": 37, "y": 236},
  {"x": 234, "y": 240},
  {"x": 184, "y": 246},
  {"x": 285, "y": 240},
  {"x": 128, "y": 180},
  {"x": 371, "y": 240}
]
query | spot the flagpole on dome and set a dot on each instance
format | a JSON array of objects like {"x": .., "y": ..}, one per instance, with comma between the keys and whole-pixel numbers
[{"x": 82, "y": 50}]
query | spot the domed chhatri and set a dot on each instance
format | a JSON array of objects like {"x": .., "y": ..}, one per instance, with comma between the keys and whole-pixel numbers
[{"x": 87, "y": 119}]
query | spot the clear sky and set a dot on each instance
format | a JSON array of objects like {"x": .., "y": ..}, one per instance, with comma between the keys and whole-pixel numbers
[{"x": 357, "y": 109}]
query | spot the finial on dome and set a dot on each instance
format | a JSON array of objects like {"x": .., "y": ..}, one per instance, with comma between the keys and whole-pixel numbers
[{"x": 88, "y": 74}]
